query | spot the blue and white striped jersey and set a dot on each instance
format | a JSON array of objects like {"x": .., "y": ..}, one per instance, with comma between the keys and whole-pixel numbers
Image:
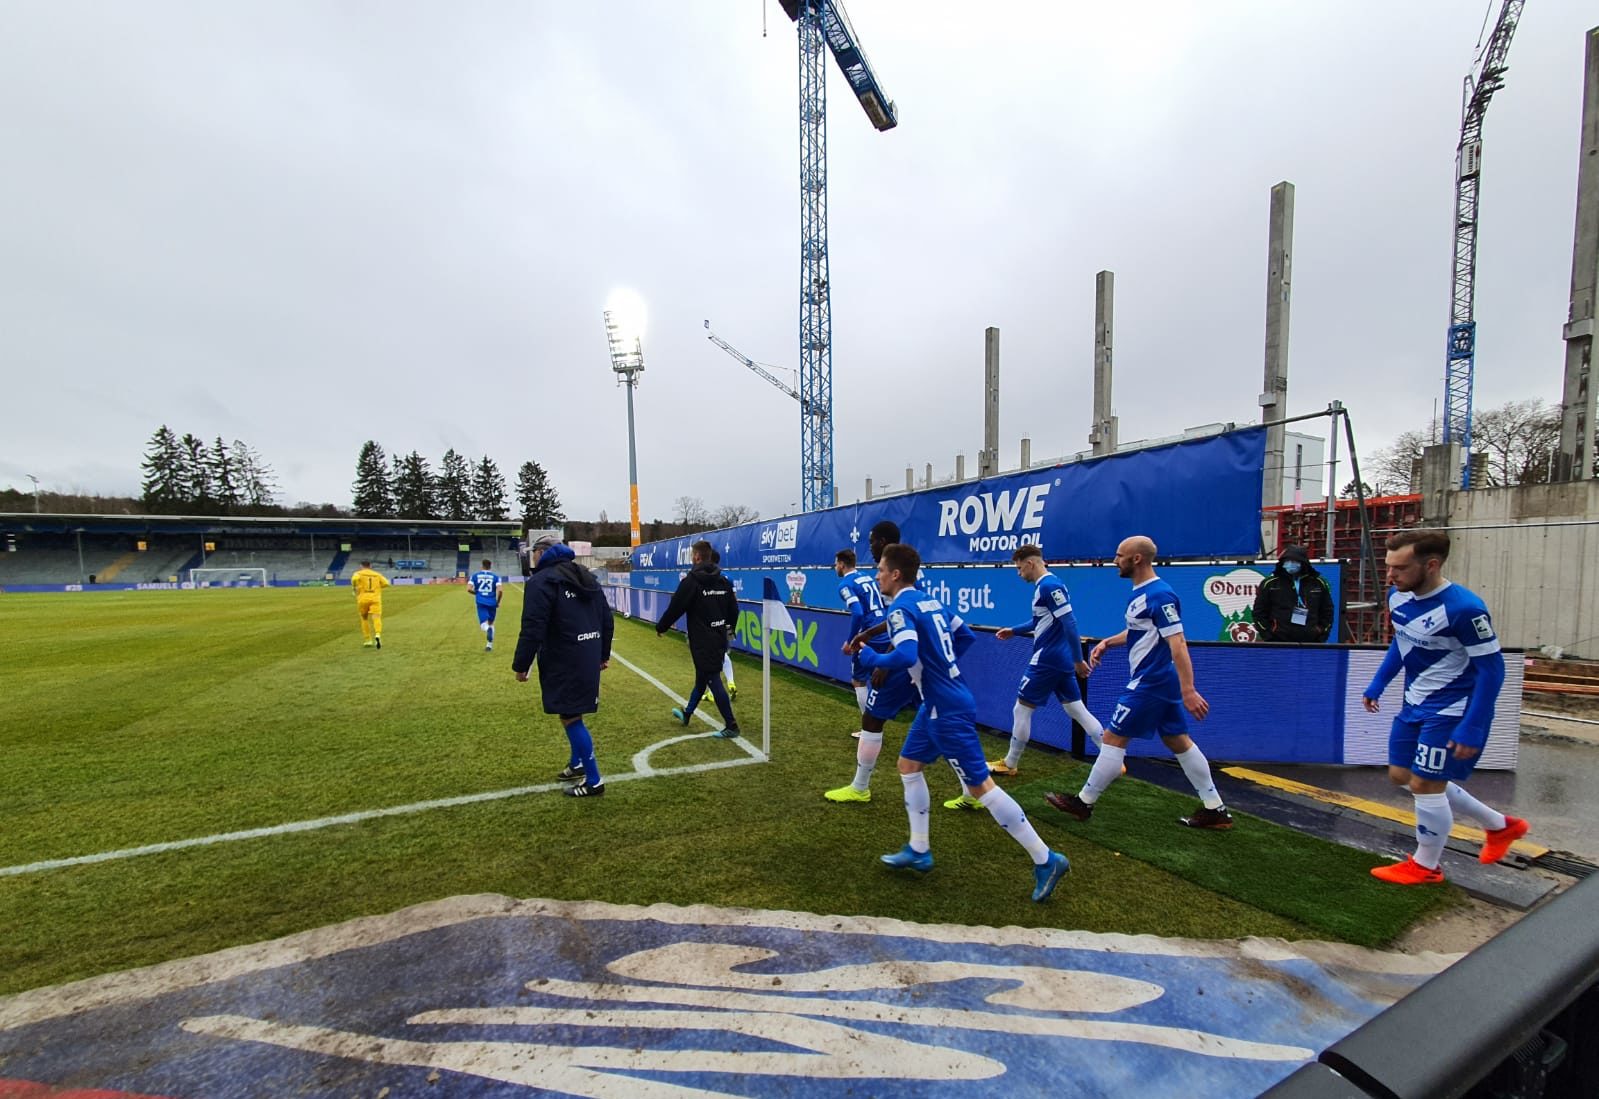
[
  {"x": 1446, "y": 645},
  {"x": 1053, "y": 627},
  {"x": 865, "y": 605},
  {"x": 1153, "y": 614},
  {"x": 922, "y": 630}
]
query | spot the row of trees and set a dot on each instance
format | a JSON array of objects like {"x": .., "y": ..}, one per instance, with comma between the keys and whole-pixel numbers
[
  {"x": 1520, "y": 439},
  {"x": 183, "y": 474},
  {"x": 691, "y": 511},
  {"x": 408, "y": 488}
]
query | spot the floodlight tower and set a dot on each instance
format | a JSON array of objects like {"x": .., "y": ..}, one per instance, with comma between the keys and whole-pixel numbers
[
  {"x": 822, "y": 21},
  {"x": 624, "y": 332}
]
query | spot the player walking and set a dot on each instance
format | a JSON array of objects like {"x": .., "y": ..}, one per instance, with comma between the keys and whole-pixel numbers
[
  {"x": 922, "y": 630},
  {"x": 1445, "y": 643},
  {"x": 368, "y": 585},
  {"x": 1161, "y": 687}
]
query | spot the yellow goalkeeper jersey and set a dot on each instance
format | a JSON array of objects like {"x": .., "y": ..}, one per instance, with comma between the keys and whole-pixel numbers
[{"x": 368, "y": 582}]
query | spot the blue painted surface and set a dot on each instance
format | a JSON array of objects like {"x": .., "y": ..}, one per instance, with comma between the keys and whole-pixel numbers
[{"x": 609, "y": 1002}]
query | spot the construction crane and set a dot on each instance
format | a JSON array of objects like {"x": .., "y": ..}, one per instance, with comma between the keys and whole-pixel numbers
[
  {"x": 753, "y": 365},
  {"x": 1480, "y": 86},
  {"x": 820, "y": 21}
]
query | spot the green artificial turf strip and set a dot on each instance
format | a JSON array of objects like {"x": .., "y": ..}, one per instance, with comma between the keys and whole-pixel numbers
[{"x": 143, "y": 717}]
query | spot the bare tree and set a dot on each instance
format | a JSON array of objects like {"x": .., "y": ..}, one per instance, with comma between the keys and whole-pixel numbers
[
  {"x": 690, "y": 511},
  {"x": 1520, "y": 439},
  {"x": 731, "y": 515},
  {"x": 1389, "y": 468}
]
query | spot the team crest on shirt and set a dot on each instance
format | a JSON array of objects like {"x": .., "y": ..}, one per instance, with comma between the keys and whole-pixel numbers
[{"x": 1484, "y": 628}]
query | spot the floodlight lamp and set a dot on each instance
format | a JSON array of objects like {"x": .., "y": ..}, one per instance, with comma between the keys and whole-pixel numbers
[{"x": 624, "y": 324}]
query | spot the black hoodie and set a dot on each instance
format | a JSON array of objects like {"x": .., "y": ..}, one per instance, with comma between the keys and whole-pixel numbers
[
  {"x": 1281, "y": 594},
  {"x": 567, "y": 626},
  {"x": 706, "y": 597}
]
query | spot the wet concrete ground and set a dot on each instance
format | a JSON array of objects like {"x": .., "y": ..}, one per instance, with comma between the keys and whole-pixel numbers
[{"x": 1555, "y": 786}]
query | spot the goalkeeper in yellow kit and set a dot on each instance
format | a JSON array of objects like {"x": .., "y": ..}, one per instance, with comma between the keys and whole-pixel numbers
[{"x": 369, "y": 585}]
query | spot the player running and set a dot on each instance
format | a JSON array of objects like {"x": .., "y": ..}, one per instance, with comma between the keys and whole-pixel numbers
[
  {"x": 1444, "y": 641},
  {"x": 922, "y": 630},
  {"x": 1056, "y": 662},
  {"x": 1161, "y": 687},
  {"x": 368, "y": 585},
  {"x": 487, "y": 592}
]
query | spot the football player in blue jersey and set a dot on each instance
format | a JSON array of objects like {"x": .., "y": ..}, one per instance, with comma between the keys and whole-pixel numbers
[
  {"x": 1056, "y": 662},
  {"x": 1444, "y": 641},
  {"x": 1160, "y": 689},
  {"x": 881, "y": 695},
  {"x": 487, "y": 591},
  {"x": 922, "y": 631}
]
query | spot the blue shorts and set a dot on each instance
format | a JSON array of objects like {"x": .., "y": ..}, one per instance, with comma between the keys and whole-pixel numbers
[
  {"x": 953, "y": 736},
  {"x": 485, "y": 611},
  {"x": 1140, "y": 715},
  {"x": 1420, "y": 747},
  {"x": 1040, "y": 685},
  {"x": 897, "y": 693}
]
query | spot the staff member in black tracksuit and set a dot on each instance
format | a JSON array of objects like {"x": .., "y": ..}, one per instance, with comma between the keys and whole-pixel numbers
[
  {"x": 1294, "y": 603},
  {"x": 705, "y": 596},
  {"x": 566, "y": 624}
]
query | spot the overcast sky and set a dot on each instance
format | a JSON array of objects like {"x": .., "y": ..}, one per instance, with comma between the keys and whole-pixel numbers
[{"x": 310, "y": 224}]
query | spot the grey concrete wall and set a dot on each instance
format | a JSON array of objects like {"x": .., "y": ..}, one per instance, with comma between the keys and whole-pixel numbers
[{"x": 1532, "y": 553}]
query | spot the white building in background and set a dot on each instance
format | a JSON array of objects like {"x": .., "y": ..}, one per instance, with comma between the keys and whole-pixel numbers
[{"x": 1305, "y": 469}]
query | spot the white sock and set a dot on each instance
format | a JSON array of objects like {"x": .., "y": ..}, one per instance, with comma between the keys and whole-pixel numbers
[
  {"x": 1021, "y": 731},
  {"x": 1197, "y": 768},
  {"x": 484, "y": 626},
  {"x": 866, "y": 750},
  {"x": 1010, "y": 816},
  {"x": 860, "y": 697},
  {"x": 1078, "y": 712},
  {"x": 1464, "y": 805},
  {"x": 1107, "y": 769},
  {"x": 917, "y": 803},
  {"x": 1433, "y": 821},
  {"x": 727, "y": 669}
]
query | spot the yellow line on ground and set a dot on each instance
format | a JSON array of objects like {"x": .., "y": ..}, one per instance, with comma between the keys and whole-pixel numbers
[{"x": 1370, "y": 808}]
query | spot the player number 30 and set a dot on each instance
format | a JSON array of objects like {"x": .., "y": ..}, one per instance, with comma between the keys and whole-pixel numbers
[{"x": 1430, "y": 758}]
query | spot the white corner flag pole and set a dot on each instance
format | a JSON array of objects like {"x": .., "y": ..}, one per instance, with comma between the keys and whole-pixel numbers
[{"x": 774, "y": 618}]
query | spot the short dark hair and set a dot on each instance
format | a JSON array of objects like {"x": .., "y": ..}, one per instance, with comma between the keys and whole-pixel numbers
[
  {"x": 885, "y": 530},
  {"x": 716, "y": 558},
  {"x": 487, "y": 563},
  {"x": 847, "y": 556},
  {"x": 1427, "y": 543},
  {"x": 366, "y": 564},
  {"x": 1026, "y": 550},
  {"x": 903, "y": 559},
  {"x": 703, "y": 551}
]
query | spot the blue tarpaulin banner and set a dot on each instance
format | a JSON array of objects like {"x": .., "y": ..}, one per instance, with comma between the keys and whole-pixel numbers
[{"x": 1196, "y": 498}]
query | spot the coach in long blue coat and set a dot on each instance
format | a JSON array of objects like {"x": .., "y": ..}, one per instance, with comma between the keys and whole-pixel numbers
[{"x": 566, "y": 621}]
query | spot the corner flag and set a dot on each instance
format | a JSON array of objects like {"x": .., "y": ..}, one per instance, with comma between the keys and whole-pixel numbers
[{"x": 774, "y": 617}]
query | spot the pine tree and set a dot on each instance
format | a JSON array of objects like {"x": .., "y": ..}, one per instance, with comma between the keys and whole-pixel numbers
[
  {"x": 224, "y": 477},
  {"x": 373, "y": 495},
  {"x": 454, "y": 495},
  {"x": 541, "y": 505},
  {"x": 163, "y": 486},
  {"x": 488, "y": 491},
  {"x": 413, "y": 488},
  {"x": 196, "y": 475}
]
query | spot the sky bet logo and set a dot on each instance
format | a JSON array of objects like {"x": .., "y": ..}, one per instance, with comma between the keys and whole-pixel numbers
[
  {"x": 990, "y": 521},
  {"x": 784, "y": 535}
]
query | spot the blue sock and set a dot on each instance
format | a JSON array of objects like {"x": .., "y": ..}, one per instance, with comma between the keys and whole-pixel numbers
[
  {"x": 577, "y": 735},
  {"x": 491, "y": 633}
]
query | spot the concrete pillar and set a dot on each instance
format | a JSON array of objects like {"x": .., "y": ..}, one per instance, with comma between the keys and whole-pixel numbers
[
  {"x": 868, "y": 488},
  {"x": 1027, "y": 453},
  {"x": 960, "y": 468},
  {"x": 1274, "y": 393},
  {"x": 1102, "y": 433},
  {"x": 1440, "y": 477},
  {"x": 1579, "y": 395},
  {"x": 927, "y": 482},
  {"x": 988, "y": 460},
  {"x": 910, "y": 479}
]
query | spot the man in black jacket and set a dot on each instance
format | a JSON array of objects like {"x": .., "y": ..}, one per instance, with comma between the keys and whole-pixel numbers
[
  {"x": 705, "y": 596},
  {"x": 566, "y": 623},
  {"x": 1294, "y": 603}
]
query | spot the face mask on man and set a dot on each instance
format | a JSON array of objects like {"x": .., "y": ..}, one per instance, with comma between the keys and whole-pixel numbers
[{"x": 1291, "y": 567}]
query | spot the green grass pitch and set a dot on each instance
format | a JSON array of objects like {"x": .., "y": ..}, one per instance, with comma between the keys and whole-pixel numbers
[{"x": 143, "y": 717}]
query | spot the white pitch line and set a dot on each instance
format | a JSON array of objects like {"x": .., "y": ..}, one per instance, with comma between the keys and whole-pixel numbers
[{"x": 640, "y": 761}]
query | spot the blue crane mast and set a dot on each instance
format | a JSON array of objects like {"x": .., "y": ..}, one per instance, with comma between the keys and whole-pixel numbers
[
  {"x": 1460, "y": 368},
  {"x": 818, "y": 22}
]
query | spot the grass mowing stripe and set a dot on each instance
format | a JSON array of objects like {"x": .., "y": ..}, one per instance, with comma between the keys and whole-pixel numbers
[{"x": 662, "y": 687}]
